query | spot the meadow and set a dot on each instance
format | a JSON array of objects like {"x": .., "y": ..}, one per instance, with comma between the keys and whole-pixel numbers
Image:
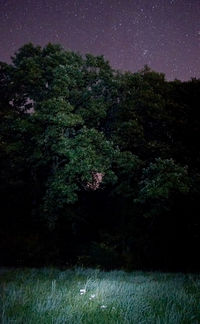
[{"x": 91, "y": 296}]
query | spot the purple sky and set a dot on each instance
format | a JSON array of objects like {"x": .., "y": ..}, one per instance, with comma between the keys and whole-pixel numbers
[{"x": 165, "y": 34}]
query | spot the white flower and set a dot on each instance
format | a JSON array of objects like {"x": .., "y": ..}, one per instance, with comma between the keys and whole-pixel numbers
[
  {"x": 92, "y": 297},
  {"x": 82, "y": 291},
  {"x": 103, "y": 307}
]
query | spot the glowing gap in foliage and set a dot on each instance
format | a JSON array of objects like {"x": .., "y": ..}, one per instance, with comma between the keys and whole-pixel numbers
[{"x": 96, "y": 181}]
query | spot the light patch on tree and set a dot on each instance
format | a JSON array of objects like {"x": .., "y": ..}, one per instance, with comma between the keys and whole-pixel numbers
[{"x": 96, "y": 181}]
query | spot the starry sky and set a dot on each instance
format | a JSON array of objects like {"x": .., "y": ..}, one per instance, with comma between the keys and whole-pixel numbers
[{"x": 165, "y": 34}]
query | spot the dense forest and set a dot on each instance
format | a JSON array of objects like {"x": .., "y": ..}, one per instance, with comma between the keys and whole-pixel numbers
[{"x": 98, "y": 168}]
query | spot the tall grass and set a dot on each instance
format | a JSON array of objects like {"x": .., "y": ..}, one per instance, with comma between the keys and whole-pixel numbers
[{"x": 86, "y": 296}]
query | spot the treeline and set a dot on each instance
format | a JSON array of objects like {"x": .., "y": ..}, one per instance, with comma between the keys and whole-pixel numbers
[{"x": 98, "y": 167}]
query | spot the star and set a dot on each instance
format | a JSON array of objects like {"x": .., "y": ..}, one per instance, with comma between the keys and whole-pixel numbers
[{"x": 145, "y": 52}]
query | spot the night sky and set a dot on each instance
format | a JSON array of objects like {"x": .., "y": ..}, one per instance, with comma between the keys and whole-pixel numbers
[{"x": 165, "y": 34}]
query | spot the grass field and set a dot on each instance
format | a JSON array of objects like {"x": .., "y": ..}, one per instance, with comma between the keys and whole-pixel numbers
[{"x": 86, "y": 296}]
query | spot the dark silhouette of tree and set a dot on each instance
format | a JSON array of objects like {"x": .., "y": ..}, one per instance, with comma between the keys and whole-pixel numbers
[{"x": 97, "y": 166}]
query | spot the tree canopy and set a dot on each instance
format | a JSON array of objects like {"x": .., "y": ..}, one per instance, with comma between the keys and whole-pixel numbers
[{"x": 101, "y": 161}]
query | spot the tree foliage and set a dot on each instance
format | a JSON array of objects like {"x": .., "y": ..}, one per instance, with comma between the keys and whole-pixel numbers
[{"x": 109, "y": 158}]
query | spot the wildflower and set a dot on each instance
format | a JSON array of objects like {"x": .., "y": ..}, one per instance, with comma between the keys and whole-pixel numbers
[
  {"x": 103, "y": 307},
  {"x": 92, "y": 297},
  {"x": 82, "y": 291}
]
